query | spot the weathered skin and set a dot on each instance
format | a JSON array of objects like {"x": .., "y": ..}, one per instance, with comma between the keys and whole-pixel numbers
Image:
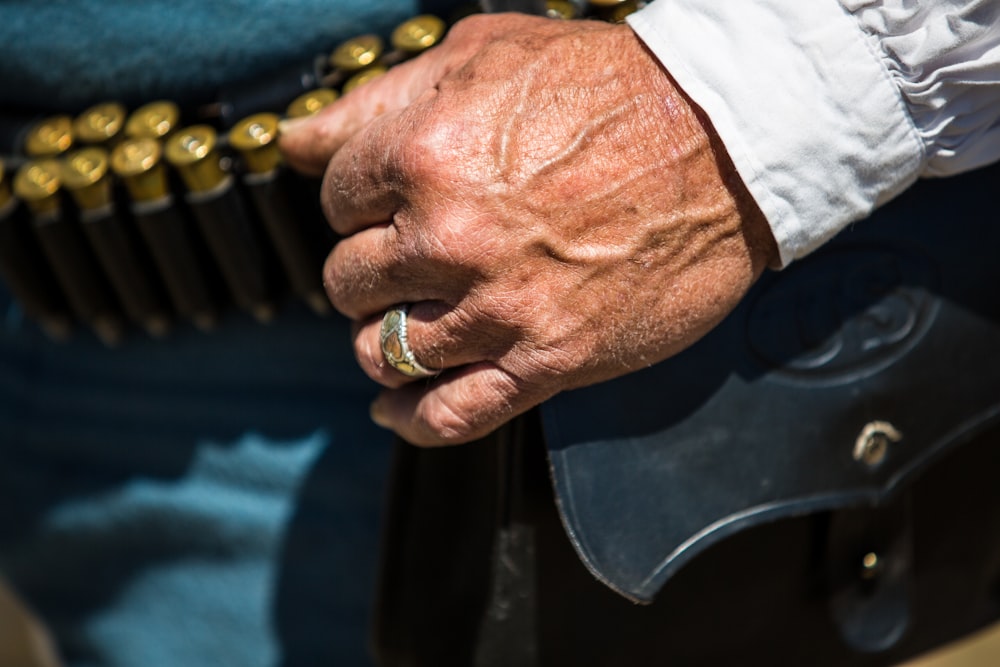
[{"x": 555, "y": 209}]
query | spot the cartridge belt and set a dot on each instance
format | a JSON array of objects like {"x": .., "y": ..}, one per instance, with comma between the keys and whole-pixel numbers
[{"x": 119, "y": 219}]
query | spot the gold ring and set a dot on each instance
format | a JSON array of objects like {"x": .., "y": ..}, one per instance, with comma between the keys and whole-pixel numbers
[{"x": 396, "y": 347}]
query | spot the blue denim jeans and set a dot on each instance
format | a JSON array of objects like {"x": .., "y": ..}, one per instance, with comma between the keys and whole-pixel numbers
[{"x": 211, "y": 499}]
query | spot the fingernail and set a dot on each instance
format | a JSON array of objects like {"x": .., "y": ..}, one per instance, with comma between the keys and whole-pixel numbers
[{"x": 378, "y": 414}]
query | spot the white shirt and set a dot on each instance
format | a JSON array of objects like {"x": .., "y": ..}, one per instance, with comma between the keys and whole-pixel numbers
[{"x": 830, "y": 108}]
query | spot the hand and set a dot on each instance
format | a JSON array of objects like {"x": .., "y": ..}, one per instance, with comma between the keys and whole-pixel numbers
[{"x": 556, "y": 211}]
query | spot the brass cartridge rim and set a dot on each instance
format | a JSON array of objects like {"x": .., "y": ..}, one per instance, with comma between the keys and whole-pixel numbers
[
  {"x": 138, "y": 162},
  {"x": 363, "y": 77},
  {"x": 255, "y": 137},
  {"x": 100, "y": 123},
  {"x": 357, "y": 53},
  {"x": 84, "y": 174},
  {"x": 37, "y": 179},
  {"x": 418, "y": 34},
  {"x": 84, "y": 166},
  {"x": 49, "y": 137},
  {"x": 192, "y": 151},
  {"x": 191, "y": 145},
  {"x": 37, "y": 183},
  {"x": 154, "y": 120},
  {"x": 310, "y": 103},
  {"x": 135, "y": 156},
  {"x": 253, "y": 132},
  {"x": 560, "y": 9}
]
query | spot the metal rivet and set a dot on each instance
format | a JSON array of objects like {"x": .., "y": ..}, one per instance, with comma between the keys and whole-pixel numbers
[{"x": 872, "y": 444}]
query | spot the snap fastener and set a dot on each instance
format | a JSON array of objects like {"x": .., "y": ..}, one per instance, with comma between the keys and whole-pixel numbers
[{"x": 872, "y": 444}]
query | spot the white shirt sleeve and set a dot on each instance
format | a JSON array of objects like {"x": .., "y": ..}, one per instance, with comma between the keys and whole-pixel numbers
[{"x": 830, "y": 108}]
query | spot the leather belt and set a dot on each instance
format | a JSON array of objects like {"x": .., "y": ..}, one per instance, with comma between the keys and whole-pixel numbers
[{"x": 118, "y": 220}]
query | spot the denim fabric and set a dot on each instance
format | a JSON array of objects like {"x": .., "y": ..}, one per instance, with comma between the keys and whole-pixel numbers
[
  {"x": 210, "y": 499},
  {"x": 207, "y": 500},
  {"x": 65, "y": 54}
]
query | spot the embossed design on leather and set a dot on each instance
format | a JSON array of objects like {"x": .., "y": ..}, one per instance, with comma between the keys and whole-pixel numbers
[{"x": 844, "y": 315}]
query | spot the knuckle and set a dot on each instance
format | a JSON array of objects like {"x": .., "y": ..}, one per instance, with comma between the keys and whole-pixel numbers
[
  {"x": 472, "y": 27},
  {"x": 331, "y": 196},
  {"x": 448, "y": 423},
  {"x": 479, "y": 29},
  {"x": 335, "y": 283},
  {"x": 488, "y": 398},
  {"x": 424, "y": 153}
]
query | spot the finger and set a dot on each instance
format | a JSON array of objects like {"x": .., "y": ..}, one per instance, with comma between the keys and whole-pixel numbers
[
  {"x": 372, "y": 270},
  {"x": 399, "y": 262},
  {"x": 440, "y": 336},
  {"x": 357, "y": 269},
  {"x": 459, "y": 406},
  {"x": 309, "y": 143},
  {"x": 364, "y": 179}
]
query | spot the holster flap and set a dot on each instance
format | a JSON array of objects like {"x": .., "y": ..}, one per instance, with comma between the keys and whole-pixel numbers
[{"x": 833, "y": 384}]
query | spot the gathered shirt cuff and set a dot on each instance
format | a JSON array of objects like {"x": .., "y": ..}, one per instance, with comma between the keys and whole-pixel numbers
[{"x": 829, "y": 110}]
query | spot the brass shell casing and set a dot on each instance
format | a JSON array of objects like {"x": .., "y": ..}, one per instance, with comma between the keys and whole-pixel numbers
[
  {"x": 255, "y": 137},
  {"x": 418, "y": 34},
  {"x": 100, "y": 124},
  {"x": 621, "y": 11},
  {"x": 154, "y": 120},
  {"x": 192, "y": 151},
  {"x": 138, "y": 162},
  {"x": 357, "y": 53},
  {"x": 309, "y": 103},
  {"x": 560, "y": 9},
  {"x": 85, "y": 177},
  {"x": 49, "y": 137},
  {"x": 37, "y": 184},
  {"x": 363, "y": 77}
]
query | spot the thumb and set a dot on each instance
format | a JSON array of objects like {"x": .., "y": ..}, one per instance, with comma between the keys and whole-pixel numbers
[{"x": 309, "y": 143}]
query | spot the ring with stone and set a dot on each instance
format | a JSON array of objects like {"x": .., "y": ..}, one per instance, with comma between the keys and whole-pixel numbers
[{"x": 396, "y": 347}]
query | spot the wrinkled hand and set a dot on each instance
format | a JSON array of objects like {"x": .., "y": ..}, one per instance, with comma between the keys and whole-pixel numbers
[{"x": 557, "y": 212}]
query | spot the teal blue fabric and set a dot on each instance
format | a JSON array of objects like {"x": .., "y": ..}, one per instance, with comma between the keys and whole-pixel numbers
[
  {"x": 66, "y": 54},
  {"x": 209, "y": 499}
]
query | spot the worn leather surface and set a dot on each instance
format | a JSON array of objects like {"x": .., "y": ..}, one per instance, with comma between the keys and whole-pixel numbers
[{"x": 897, "y": 319}]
